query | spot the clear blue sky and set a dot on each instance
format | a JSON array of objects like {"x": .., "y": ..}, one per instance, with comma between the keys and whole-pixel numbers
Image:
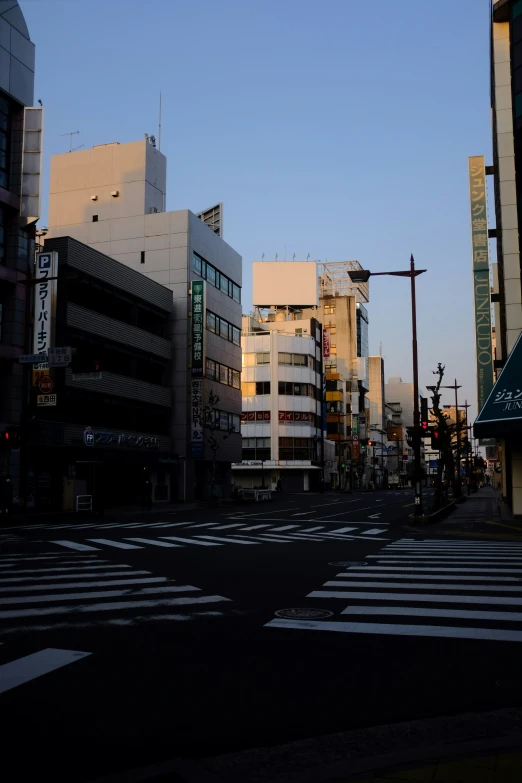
[{"x": 338, "y": 128}]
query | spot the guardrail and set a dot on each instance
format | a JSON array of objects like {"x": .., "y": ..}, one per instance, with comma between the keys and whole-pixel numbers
[
  {"x": 83, "y": 502},
  {"x": 258, "y": 494}
]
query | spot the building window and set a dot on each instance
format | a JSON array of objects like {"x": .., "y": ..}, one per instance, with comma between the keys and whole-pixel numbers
[
  {"x": 142, "y": 257},
  {"x": 211, "y": 321},
  {"x": 262, "y": 358},
  {"x": 223, "y": 328},
  {"x": 95, "y": 218},
  {"x": 223, "y": 374},
  {"x": 296, "y": 449},
  {"x": 256, "y": 449},
  {"x": 215, "y": 278},
  {"x": 248, "y": 389},
  {"x": 329, "y": 309},
  {"x": 297, "y": 389},
  {"x": 248, "y": 359},
  {"x": 295, "y": 359},
  {"x": 222, "y": 420}
]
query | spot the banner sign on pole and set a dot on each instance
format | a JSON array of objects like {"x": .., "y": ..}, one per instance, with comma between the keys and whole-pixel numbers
[
  {"x": 481, "y": 282},
  {"x": 326, "y": 343},
  {"x": 44, "y": 301}
]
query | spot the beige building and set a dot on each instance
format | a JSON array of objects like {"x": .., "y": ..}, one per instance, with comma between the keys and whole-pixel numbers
[{"x": 112, "y": 197}]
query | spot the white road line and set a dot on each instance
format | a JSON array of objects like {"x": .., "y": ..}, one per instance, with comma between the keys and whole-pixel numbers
[
  {"x": 355, "y": 510},
  {"x": 225, "y": 527},
  {"x": 343, "y": 529},
  {"x": 46, "y": 599},
  {"x": 200, "y": 524},
  {"x": 463, "y": 558},
  {"x": 109, "y": 606},
  {"x": 321, "y": 527},
  {"x": 152, "y": 541},
  {"x": 431, "y": 586},
  {"x": 76, "y": 585},
  {"x": 116, "y": 544},
  {"x": 488, "y": 634},
  {"x": 230, "y": 540},
  {"x": 436, "y": 569},
  {"x": 431, "y": 577},
  {"x": 190, "y": 541},
  {"x": 302, "y": 513},
  {"x": 82, "y": 575},
  {"x": 71, "y": 568},
  {"x": 32, "y": 666},
  {"x": 74, "y": 545},
  {"x": 254, "y": 527},
  {"x": 437, "y": 599},
  {"x": 374, "y": 531},
  {"x": 170, "y": 524},
  {"x": 285, "y": 527},
  {"x": 298, "y": 536},
  {"x": 461, "y": 614},
  {"x": 63, "y": 557},
  {"x": 266, "y": 537}
]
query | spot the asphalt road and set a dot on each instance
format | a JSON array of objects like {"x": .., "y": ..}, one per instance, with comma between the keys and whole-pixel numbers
[{"x": 156, "y": 636}]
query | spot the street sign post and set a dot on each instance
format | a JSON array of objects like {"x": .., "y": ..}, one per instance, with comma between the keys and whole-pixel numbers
[
  {"x": 59, "y": 357},
  {"x": 46, "y": 400},
  {"x": 32, "y": 358},
  {"x": 46, "y": 385}
]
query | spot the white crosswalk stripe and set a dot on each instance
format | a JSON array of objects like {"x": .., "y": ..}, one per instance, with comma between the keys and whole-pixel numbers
[
  {"x": 466, "y": 590},
  {"x": 98, "y": 593}
]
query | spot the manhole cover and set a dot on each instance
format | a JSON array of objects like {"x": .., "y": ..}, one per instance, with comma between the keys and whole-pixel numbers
[
  {"x": 303, "y": 614},
  {"x": 340, "y": 563}
]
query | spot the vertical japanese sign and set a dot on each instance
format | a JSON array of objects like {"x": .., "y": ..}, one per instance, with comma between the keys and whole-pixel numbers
[
  {"x": 326, "y": 343},
  {"x": 198, "y": 312},
  {"x": 481, "y": 283},
  {"x": 44, "y": 301},
  {"x": 197, "y": 364},
  {"x": 196, "y": 418}
]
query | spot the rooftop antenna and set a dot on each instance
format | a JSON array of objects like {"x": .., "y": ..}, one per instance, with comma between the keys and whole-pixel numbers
[
  {"x": 71, "y": 134},
  {"x": 262, "y": 256},
  {"x": 293, "y": 257},
  {"x": 308, "y": 257},
  {"x": 159, "y": 125},
  {"x": 380, "y": 350},
  {"x": 276, "y": 257}
]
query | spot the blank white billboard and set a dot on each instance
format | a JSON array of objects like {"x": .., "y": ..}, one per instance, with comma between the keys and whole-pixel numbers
[{"x": 281, "y": 283}]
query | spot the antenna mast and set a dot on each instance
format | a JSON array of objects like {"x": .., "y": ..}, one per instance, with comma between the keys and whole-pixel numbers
[
  {"x": 71, "y": 134},
  {"x": 159, "y": 125}
]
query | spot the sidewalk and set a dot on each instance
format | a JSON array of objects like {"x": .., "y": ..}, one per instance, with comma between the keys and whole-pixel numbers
[{"x": 488, "y": 768}]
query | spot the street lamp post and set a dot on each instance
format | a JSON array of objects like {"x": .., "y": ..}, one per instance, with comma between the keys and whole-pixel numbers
[{"x": 362, "y": 276}]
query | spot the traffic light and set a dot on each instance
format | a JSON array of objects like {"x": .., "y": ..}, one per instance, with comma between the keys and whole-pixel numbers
[
  {"x": 10, "y": 438},
  {"x": 435, "y": 440},
  {"x": 370, "y": 443},
  {"x": 84, "y": 362},
  {"x": 424, "y": 412}
]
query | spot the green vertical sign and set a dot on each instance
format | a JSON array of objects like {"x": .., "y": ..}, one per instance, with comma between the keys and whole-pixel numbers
[
  {"x": 198, "y": 342},
  {"x": 481, "y": 284}
]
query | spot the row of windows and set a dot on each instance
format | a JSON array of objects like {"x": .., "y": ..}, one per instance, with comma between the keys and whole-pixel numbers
[
  {"x": 5, "y": 120},
  {"x": 299, "y": 389},
  {"x": 297, "y": 449},
  {"x": 223, "y": 328},
  {"x": 215, "y": 278},
  {"x": 223, "y": 374},
  {"x": 256, "y": 449},
  {"x": 290, "y": 359},
  {"x": 256, "y": 443},
  {"x": 222, "y": 420},
  {"x": 248, "y": 389}
]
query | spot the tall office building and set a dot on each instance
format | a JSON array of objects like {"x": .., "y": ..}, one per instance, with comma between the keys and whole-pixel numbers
[
  {"x": 20, "y": 163},
  {"x": 112, "y": 198},
  {"x": 501, "y": 414}
]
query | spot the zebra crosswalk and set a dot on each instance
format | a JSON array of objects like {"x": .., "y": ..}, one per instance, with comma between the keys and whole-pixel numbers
[
  {"x": 429, "y": 588},
  {"x": 212, "y": 534},
  {"x": 70, "y": 590}
]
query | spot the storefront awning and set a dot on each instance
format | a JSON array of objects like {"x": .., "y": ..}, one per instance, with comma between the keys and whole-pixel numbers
[{"x": 501, "y": 415}]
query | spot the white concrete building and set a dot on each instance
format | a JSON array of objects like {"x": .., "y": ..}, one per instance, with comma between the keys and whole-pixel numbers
[
  {"x": 112, "y": 197},
  {"x": 282, "y": 425}
]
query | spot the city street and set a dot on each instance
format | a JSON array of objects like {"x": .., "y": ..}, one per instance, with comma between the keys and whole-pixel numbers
[{"x": 134, "y": 642}]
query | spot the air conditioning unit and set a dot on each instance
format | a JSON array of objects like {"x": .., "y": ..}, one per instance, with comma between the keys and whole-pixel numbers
[
  {"x": 153, "y": 210},
  {"x": 115, "y": 193},
  {"x": 94, "y": 198}
]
